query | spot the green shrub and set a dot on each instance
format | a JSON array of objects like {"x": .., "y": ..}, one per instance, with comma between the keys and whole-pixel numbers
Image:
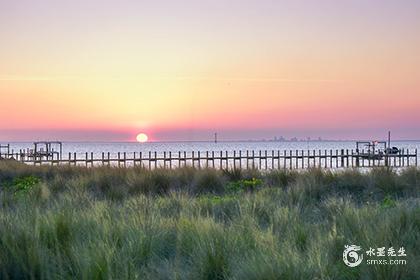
[
  {"x": 351, "y": 181},
  {"x": 281, "y": 178},
  {"x": 388, "y": 202},
  {"x": 22, "y": 186},
  {"x": 157, "y": 182},
  {"x": 234, "y": 174},
  {"x": 208, "y": 181},
  {"x": 385, "y": 180},
  {"x": 244, "y": 185}
]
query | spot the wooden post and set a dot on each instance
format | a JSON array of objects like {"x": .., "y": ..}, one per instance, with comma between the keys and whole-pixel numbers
[
  {"x": 319, "y": 159},
  {"x": 265, "y": 159},
  {"x": 336, "y": 158},
  {"x": 401, "y": 158},
  {"x": 363, "y": 160},
  {"x": 325, "y": 159},
  {"x": 395, "y": 159},
  {"x": 400, "y": 154},
  {"x": 227, "y": 160},
  {"x": 156, "y": 160},
  {"x": 284, "y": 159},
  {"x": 140, "y": 159},
  {"x": 404, "y": 157},
  {"x": 150, "y": 160},
  {"x": 272, "y": 159},
  {"x": 347, "y": 158},
  {"x": 164, "y": 159},
  {"x": 408, "y": 157},
  {"x": 247, "y": 159},
  {"x": 290, "y": 159},
  {"x": 357, "y": 158},
  {"x": 331, "y": 158},
  {"x": 309, "y": 157},
  {"x": 302, "y": 159},
  {"x": 314, "y": 156}
]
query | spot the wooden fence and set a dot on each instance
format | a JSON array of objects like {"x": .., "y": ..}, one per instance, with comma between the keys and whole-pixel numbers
[{"x": 274, "y": 159}]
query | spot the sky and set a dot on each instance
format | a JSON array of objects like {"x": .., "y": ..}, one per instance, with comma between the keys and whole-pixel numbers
[{"x": 97, "y": 70}]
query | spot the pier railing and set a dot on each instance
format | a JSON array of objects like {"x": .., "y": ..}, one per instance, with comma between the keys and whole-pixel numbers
[{"x": 273, "y": 159}]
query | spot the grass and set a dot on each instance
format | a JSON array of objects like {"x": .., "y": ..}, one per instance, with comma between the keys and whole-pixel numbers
[{"x": 111, "y": 223}]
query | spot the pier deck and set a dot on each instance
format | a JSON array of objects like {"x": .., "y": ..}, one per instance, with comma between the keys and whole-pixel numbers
[{"x": 264, "y": 160}]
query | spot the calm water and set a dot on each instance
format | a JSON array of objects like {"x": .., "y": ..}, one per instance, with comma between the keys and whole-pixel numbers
[{"x": 160, "y": 147}]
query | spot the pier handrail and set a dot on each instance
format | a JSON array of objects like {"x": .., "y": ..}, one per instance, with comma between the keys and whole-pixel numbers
[{"x": 261, "y": 159}]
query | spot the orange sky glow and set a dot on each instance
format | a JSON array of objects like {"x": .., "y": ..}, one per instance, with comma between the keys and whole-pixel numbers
[{"x": 257, "y": 72}]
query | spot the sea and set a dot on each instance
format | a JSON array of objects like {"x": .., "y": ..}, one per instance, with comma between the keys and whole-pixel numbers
[{"x": 97, "y": 148}]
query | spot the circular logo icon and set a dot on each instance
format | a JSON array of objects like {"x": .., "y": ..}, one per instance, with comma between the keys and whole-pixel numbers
[{"x": 351, "y": 257}]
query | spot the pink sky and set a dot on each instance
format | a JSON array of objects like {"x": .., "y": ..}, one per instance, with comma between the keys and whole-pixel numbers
[{"x": 182, "y": 70}]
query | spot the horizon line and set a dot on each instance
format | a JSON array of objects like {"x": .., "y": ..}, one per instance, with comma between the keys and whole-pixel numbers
[{"x": 212, "y": 141}]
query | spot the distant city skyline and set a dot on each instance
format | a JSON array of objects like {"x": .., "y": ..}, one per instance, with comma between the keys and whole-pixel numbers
[
  {"x": 181, "y": 70},
  {"x": 184, "y": 136}
]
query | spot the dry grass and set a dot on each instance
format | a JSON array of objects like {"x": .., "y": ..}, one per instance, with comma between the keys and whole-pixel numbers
[{"x": 111, "y": 223}]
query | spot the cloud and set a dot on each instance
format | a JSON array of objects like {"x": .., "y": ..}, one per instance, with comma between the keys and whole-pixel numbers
[
  {"x": 133, "y": 78},
  {"x": 25, "y": 78}
]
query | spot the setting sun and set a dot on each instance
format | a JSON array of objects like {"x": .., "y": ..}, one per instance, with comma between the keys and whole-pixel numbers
[{"x": 142, "y": 138}]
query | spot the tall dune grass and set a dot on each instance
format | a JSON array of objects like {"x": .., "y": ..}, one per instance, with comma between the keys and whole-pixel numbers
[{"x": 111, "y": 223}]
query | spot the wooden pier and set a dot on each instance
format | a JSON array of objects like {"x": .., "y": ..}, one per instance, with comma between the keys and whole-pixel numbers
[
  {"x": 4, "y": 149},
  {"x": 263, "y": 160}
]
